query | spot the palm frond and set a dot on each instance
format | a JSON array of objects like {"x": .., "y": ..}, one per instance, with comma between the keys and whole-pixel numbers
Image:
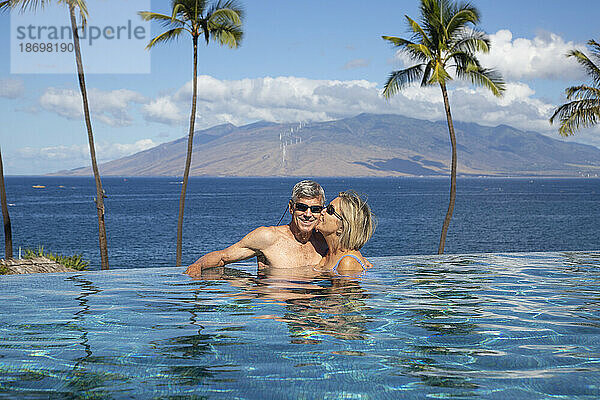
[
  {"x": 188, "y": 10},
  {"x": 25, "y": 5},
  {"x": 594, "y": 48},
  {"x": 227, "y": 34},
  {"x": 462, "y": 60},
  {"x": 223, "y": 16},
  {"x": 165, "y": 20},
  {"x": 34, "y": 5},
  {"x": 419, "y": 33},
  {"x": 584, "y": 109},
  {"x": 439, "y": 74},
  {"x": 419, "y": 51},
  {"x": 591, "y": 68},
  {"x": 582, "y": 92},
  {"x": 427, "y": 73},
  {"x": 152, "y": 16},
  {"x": 487, "y": 78},
  {"x": 400, "y": 79},
  {"x": 226, "y": 10},
  {"x": 434, "y": 15},
  {"x": 471, "y": 40},
  {"x": 430, "y": 14},
  {"x": 467, "y": 14},
  {"x": 576, "y": 115},
  {"x": 81, "y": 5},
  {"x": 179, "y": 9},
  {"x": 165, "y": 37},
  {"x": 396, "y": 41}
]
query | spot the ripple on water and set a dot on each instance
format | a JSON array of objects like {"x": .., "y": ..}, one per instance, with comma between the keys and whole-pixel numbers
[{"x": 490, "y": 326}]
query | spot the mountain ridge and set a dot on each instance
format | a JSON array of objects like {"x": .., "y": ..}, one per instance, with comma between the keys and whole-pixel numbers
[{"x": 363, "y": 145}]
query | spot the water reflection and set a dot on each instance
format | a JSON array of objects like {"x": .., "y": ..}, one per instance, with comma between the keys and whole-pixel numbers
[
  {"x": 314, "y": 304},
  {"x": 522, "y": 326},
  {"x": 83, "y": 381},
  {"x": 444, "y": 302},
  {"x": 311, "y": 306},
  {"x": 441, "y": 300}
]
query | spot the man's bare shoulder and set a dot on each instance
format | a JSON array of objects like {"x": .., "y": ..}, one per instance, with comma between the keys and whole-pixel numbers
[{"x": 265, "y": 236}]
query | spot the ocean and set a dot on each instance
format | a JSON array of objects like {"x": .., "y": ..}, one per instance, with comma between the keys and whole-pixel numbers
[{"x": 492, "y": 215}]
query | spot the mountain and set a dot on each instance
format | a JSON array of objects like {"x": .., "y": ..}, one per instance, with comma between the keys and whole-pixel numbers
[{"x": 364, "y": 145}]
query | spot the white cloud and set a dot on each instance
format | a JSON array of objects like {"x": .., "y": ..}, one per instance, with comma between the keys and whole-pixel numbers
[
  {"x": 290, "y": 99},
  {"x": 111, "y": 108},
  {"x": 163, "y": 110},
  {"x": 278, "y": 99},
  {"x": 518, "y": 107},
  {"x": 11, "y": 88},
  {"x": 78, "y": 153},
  {"x": 117, "y": 150},
  {"x": 540, "y": 57}
]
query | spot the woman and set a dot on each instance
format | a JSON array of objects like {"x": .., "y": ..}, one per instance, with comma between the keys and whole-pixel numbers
[{"x": 346, "y": 224}]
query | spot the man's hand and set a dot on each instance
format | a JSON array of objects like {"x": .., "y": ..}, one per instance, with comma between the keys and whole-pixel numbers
[
  {"x": 207, "y": 261},
  {"x": 211, "y": 273},
  {"x": 194, "y": 270}
]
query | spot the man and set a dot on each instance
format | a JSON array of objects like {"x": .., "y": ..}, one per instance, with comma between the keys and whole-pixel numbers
[{"x": 287, "y": 246}]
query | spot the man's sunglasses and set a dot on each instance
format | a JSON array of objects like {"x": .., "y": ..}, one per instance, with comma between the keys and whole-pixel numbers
[
  {"x": 303, "y": 207},
  {"x": 331, "y": 211}
]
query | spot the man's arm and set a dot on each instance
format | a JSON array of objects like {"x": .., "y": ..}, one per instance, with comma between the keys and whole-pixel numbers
[{"x": 250, "y": 246}]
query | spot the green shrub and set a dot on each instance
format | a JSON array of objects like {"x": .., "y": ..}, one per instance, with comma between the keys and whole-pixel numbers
[
  {"x": 75, "y": 261},
  {"x": 3, "y": 270}
]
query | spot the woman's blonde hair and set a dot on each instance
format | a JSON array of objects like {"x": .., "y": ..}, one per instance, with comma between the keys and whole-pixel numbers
[{"x": 358, "y": 222}]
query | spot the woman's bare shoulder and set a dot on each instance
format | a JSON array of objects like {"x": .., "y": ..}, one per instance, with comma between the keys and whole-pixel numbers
[{"x": 348, "y": 262}]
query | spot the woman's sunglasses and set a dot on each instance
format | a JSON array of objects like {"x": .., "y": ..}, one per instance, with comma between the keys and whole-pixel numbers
[
  {"x": 331, "y": 211},
  {"x": 303, "y": 207}
]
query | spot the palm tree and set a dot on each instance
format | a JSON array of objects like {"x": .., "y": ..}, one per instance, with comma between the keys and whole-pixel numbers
[
  {"x": 583, "y": 109},
  {"x": 5, "y": 215},
  {"x": 8, "y": 254},
  {"x": 220, "y": 21},
  {"x": 442, "y": 43},
  {"x": 78, "y": 7}
]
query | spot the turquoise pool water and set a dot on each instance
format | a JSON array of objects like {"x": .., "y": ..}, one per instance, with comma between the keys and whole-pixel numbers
[{"x": 487, "y": 326}]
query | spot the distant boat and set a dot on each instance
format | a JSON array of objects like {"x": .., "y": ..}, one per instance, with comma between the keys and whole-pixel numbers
[
  {"x": 11, "y": 204},
  {"x": 39, "y": 187}
]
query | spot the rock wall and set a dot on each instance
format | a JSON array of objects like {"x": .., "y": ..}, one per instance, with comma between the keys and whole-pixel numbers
[{"x": 33, "y": 265}]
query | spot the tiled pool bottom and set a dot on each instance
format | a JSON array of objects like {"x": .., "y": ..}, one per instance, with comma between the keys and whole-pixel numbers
[{"x": 502, "y": 326}]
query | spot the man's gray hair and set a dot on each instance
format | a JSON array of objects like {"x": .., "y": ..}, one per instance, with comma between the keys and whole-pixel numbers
[{"x": 307, "y": 190}]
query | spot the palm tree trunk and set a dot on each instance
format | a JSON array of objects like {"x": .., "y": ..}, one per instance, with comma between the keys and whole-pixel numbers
[
  {"x": 8, "y": 254},
  {"x": 86, "y": 112},
  {"x": 452, "y": 172},
  {"x": 188, "y": 160}
]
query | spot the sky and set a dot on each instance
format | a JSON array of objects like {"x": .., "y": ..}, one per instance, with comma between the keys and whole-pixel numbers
[{"x": 298, "y": 61}]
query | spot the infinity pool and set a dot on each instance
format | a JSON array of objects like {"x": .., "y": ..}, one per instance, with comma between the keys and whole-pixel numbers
[{"x": 501, "y": 326}]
